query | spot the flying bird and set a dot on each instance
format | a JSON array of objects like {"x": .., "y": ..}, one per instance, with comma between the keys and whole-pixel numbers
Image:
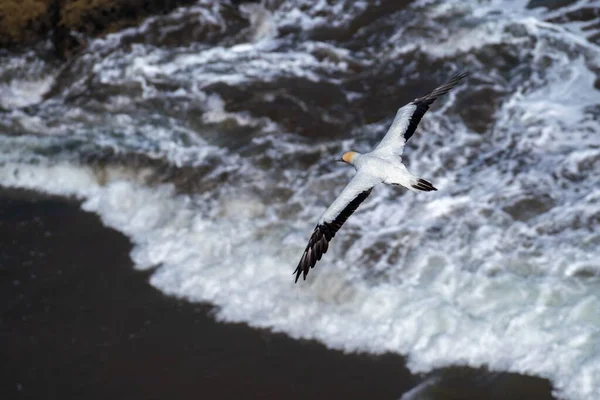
[{"x": 382, "y": 165}]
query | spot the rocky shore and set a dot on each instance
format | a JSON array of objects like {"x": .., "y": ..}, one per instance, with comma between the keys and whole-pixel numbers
[{"x": 66, "y": 23}]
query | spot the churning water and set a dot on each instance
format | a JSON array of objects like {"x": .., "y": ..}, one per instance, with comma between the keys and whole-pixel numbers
[{"x": 207, "y": 137}]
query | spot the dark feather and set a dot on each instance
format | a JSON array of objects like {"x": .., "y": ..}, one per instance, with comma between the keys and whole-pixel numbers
[
  {"x": 422, "y": 184},
  {"x": 424, "y": 102},
  {"x": 322, "y": 235}
]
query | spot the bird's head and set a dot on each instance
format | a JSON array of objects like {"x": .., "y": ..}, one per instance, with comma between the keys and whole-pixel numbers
[{"x": 349, "y": 157}]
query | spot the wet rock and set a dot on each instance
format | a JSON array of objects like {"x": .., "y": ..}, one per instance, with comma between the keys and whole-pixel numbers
[
  {"x": 312, "y": 109},
  {"x": 482, "y": 104},
  {"x": 528, "y": 207},
  {"x": 25, "y": 20},
  {"x": 66, "y": 22},
  {"x": 549, "y": 4}
]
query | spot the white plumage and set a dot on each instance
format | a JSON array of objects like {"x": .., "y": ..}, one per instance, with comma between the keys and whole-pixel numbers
[
  {"x": 383, "y": 164},
  {"x": 393, "y": 142}
]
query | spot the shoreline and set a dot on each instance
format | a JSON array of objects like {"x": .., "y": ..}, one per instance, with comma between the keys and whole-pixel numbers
[{"x": 77, "y": 320}]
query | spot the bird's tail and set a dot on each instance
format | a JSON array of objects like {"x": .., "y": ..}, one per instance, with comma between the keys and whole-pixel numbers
[{"x": 421, "y": 185}]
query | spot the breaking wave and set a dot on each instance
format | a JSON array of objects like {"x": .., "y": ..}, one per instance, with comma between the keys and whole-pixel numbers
[{"x": 212, "y": 151}]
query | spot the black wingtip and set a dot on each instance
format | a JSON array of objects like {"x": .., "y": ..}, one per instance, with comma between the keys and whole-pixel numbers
[
  {"x": 424, "y": 185},
  {"x": 301, "y": 269},
  {"x": 457, "y": 77},
  {"x": 452, "y": 82}
]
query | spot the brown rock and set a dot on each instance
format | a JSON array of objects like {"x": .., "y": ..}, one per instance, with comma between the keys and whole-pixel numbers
[
  {"x": 25, "y": 21},
  {"x": 22, "y": 21}
]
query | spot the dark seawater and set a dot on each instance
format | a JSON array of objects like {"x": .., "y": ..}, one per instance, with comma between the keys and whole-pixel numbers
[
  {"x": 206, "y": 137},
  {"x": 76, "y": 320}
]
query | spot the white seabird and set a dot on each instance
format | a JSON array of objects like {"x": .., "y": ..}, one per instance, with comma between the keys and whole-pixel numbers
[{"x": 383, "y": 164}]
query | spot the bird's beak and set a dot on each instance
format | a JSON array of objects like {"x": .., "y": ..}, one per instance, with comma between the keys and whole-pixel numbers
[{"x": 339, "y": 160}]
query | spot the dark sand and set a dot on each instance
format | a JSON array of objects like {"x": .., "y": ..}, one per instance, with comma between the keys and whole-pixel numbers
[{"x": 78, "y": 322}]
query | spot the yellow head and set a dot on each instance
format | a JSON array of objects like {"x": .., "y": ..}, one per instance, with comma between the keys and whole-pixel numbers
[{"x": 348, "y": 156}]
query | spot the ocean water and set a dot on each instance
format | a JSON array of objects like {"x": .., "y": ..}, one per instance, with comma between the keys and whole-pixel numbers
[{"x": 207, "y": 136}]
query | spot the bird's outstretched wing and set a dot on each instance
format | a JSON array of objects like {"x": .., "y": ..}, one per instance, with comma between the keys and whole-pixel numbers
[
  {"x": 355, "y": 192},
  {"x": 408, "y": 117}
]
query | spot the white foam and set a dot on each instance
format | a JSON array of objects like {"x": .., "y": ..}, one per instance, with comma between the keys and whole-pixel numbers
[
  {"x": 24, "y": 79},
  {"x": 261, "y": 21},
  {"x": 308, "y": 15},
  {"x": 544, "y": 326},
  {"x": 455, "y": 277},
  {"x": 420, "y": 392},
  {"x": 21, "y": 93},
  {"x": 215, "y": 113}
]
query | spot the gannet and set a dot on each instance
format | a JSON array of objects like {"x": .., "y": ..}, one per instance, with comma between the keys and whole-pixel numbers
[{"x": 382, "y": 165}]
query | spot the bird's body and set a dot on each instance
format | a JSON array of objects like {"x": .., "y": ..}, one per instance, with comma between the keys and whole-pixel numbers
[
  {"x": 382, "y": 165},
  {"x": 389, "y": 169}
]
